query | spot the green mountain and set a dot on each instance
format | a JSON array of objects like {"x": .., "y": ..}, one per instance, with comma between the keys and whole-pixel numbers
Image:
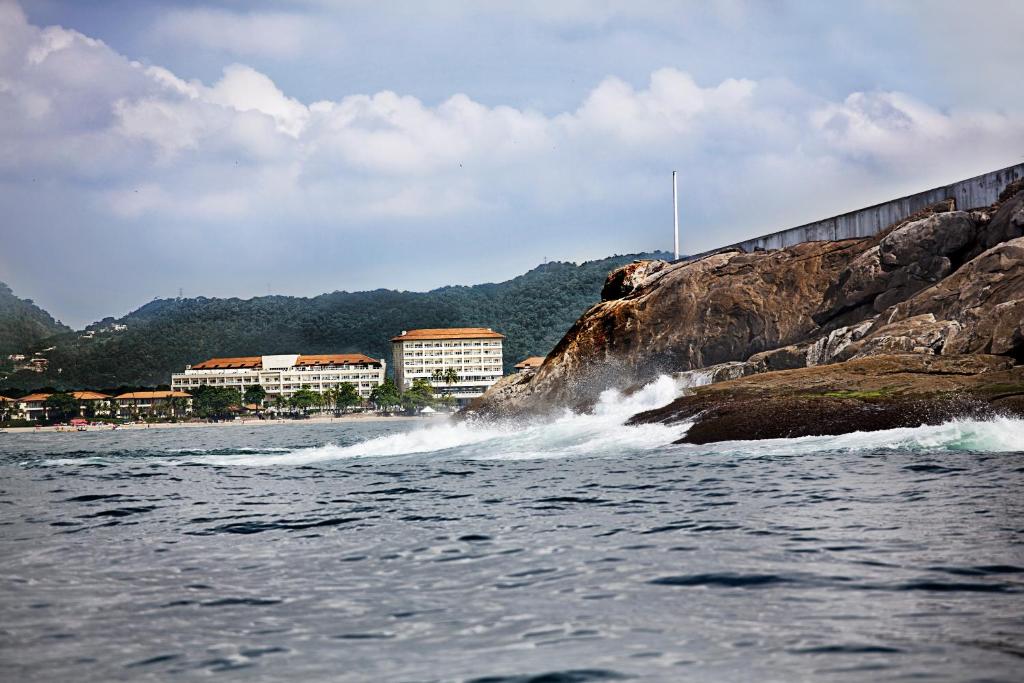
[
  {"x": 23, "y": 325},
  {"x": 533, "y": 310}
]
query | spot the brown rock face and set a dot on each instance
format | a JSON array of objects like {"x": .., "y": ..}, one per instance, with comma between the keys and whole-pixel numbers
[
  {"x": 942, "y": 283},
  {"x": 724, "y": 307},
  {"x": 986, "y": 298}
]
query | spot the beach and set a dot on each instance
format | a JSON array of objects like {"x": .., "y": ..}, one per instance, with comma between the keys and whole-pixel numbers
[{"x": 242, "y": 422}]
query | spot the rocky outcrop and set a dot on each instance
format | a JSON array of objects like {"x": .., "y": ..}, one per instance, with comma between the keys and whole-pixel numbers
[
  {"x": 724, "y": 307},
  {"x": 943, "y": 283},
  {"x": 881, "y": 392}
]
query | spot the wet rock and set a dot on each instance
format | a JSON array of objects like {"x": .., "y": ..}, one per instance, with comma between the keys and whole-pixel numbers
[
  {"x": 881, "y": 392},
  {"x": 784, "y": 358},
  {"x": 833, "y": 347},
  {"x": 722, "y": 372}
]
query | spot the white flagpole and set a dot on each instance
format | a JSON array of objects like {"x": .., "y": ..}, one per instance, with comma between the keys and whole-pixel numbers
[{"x": 675, "y": 214}]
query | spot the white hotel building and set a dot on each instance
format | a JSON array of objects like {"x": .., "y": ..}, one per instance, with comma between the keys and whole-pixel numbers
[
  {"x": 283, "y": 375},
  {"x": 473, "y": 352}
]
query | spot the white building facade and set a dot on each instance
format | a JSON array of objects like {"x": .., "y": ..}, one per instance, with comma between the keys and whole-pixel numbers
[
  {"x": 283, "y": 375},
  {"x": 473, "y": 353}
]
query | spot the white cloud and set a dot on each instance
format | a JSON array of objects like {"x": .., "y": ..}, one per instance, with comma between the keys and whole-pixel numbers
[{"x": 239, "y": 161}]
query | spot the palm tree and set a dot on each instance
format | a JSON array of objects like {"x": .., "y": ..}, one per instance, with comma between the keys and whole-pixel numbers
[
  {"x": 450, "y": 376},
  {"x": 437, "y": 376}
]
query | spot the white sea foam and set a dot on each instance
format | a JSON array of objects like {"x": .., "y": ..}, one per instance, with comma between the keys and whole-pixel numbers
[
  {"x": 602, "y": 433},
  {"x": 999, "y": 435},
  {"x": 599, "y": 433}
]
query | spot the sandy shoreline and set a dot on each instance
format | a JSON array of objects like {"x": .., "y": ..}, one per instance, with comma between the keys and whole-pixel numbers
[{"x": 249, "y": 422}]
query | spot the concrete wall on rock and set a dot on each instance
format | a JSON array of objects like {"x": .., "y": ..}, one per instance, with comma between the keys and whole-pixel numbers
[{"x": 972, "y": 193}]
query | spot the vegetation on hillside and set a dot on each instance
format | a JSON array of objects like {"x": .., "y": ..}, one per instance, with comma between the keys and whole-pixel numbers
[
  {"x": 533, "y": 310},
  {"x": 23, "y": 325}
]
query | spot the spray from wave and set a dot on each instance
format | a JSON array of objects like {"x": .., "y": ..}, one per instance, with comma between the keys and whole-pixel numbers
[
  {"x": 598, "y": 433},
  {"x": 602, "y": 433},
  {"x": 998, "y": 435}
]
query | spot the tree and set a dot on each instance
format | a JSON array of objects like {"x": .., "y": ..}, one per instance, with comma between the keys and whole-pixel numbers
[
  {"x": 255, "y": 394},
  {"x": 437, "y": 376},
  {"x": 346, "y": 396},
  {"x": 178, "y": 405},
  {"x": 385, "y": 395},
  {"x": 418, "y": 396},
  {"x": 450, "y": 376},
  {"x": 304, "y": 399},
  {"x": 213, "y": 402},
  {"x": 60, "y": 407}
]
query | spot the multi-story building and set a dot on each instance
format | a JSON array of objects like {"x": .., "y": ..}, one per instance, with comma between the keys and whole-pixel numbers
[
  {"x": 461, "y": 362},
  {"x": 171, "y": 403},
  {"x": 33, "y": 406},
  {"x": 283, "y": 375}
]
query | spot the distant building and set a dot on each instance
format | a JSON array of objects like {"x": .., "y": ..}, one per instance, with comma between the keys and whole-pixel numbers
[
  {"x": 530, "y": 364},
  {"x": 283, "y": 375},
  {"x": 171, "y": 403},
  {"x": 473, "y": 353},
  {"x": 33, "y": 407},
  {"x": 36, "y": 364},
  {"x": 92, "y": 403},
  {"x": 8, "y": 408}
]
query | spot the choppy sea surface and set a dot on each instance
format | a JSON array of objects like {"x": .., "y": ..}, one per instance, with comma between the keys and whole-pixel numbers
[{"x": 577, "y": 550}]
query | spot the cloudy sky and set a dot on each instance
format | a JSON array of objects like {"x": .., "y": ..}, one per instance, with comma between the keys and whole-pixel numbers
[{"x": 234, "y": 148}]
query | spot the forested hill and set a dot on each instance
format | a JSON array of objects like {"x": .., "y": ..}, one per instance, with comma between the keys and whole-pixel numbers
[
  {"x": 533, "y": 310},
  {"x": 23, "y": 324}
]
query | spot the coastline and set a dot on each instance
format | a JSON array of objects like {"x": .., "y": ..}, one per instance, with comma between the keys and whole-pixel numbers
[{"x": 231, "y": 423}]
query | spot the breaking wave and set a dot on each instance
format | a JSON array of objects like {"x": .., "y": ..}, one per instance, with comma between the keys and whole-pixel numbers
[
  {"x": 602, "y": 433},
  {"x": 598, "y": 433},
  {"x": 998, "y": 435}
]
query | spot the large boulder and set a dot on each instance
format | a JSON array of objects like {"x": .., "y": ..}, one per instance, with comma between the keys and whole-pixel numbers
[
  {"x": 1006, "y": 223},
  {"x": 922, "y": 242},
  {"x": 985, "y": 297},
  {"x": 724, "y": 307},
  {"x": 906, "y": 260}
]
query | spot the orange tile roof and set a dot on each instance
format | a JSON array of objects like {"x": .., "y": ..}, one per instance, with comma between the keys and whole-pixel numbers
[
  {"x": 5, "y": 399},
  {"x": 230, "y": 363},
  {"x": 34, "y": 397},
  {"x": 336, "y": 359},
  {"x": 531, "y": 362},
  {"x": 88, "y": 395},
  {"x": 153, "y": 394},
  {"x": 450, "y": 333}
]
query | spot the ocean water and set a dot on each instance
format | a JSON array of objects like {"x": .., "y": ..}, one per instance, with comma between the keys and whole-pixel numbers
[{"x": 576, "y": 550}]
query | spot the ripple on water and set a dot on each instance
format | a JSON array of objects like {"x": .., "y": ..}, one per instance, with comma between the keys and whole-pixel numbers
[
  {"x": 722, "y": 580},
  {"x": 569, "y": 676}
]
